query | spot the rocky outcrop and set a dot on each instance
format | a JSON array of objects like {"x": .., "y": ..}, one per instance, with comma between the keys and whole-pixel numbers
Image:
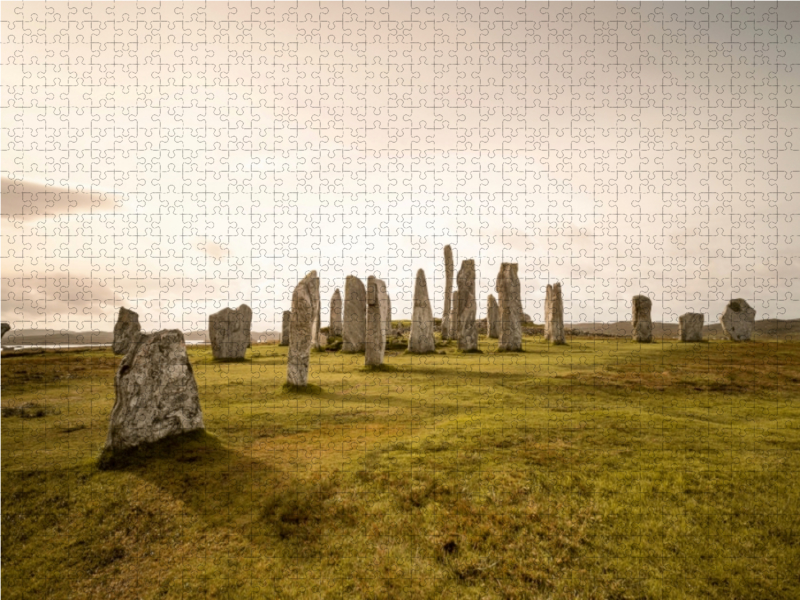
[
  {"x": 125, "y": 331},
  {"x": 739, "y": 320},
  {"x": 508, "y": 292},
  {"x": 156, "y": 393},
  {"x": 354, "y": 328},
  {"x": 642, "y": 323},
  {"x": 229, "y": 331},
  {"x": 691, "y": 327},
  {"x": 421, "y": 339}
]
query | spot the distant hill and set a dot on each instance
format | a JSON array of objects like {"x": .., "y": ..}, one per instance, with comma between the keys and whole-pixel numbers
[
  {"x": 31, "y": 337},
  {"x": 766, "y": 329}
]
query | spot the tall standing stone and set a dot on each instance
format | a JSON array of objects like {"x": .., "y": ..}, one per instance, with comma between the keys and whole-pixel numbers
[
  {"x": 354, "y": 328},
  {"x": 642, "y": 324},
  {"x": 448, "y": 292},
  {"x": 301, "y": 329},
  {"x": 452, "y": 329},
  {"x": 388, "y": 315},
  {"x": 467, "y": 307},
  {"x": 548, "y": 296},
  {"x": 125, "y": 331},
  {"x": 493, "y": 318},
  {"x": 508, "y": 291},
  {"x": 421, "y": 340},
  {"x": 691, "y": 327},
  {"x": 739, "y": 320},
  {"x": 375, "y": 343},
  {"x": 156, "y": 393},
  {"x": 286, "y": 327},
  {"x": 554, "y": 315},
  {"x": 336, "y": 314},
  {"x": 4, "y": 329},
  {"x": 229, "y": 331},
  {"x": 316, "y": 325}
]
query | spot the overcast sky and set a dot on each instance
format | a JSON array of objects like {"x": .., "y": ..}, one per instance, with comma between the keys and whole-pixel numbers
[{"x": 180, "y": 158}]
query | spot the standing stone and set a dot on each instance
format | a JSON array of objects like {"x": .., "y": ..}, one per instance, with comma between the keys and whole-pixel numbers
[
  {"x": 125, "y": 331},
  {"x": 388, "y": 316},
  {"x": 229, "y": 331},
  {"x": 493, "y": 318},
  {"x": 156, "y": 393},
  {"x": 375, "y": 343},
  {"x": 548, "y": 299},
  {"x": 421, "y": 340},
  {"x": 691, "y": 327},
  {"x": 316, "y": 325},
  {"x": 286, "y": 327},
  {"x": 354, "y": 328},
  {"x": 508, "y": 291},
  {"x": 301, "y": 329},
  {"x": 467, "y": 307},
  {"x": 336, "y": 314},
  {"x": 452, "y": 329},
  {"x": 448, "y": 292},
  {"x": 4, "y": 329},
  {"x": 642, "y": 324},
  {"x": 554, "y": 315},
  {"x": 738, "y": 320}
]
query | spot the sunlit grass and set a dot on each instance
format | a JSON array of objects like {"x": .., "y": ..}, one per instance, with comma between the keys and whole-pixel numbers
[{"x": 600, "y": 469}]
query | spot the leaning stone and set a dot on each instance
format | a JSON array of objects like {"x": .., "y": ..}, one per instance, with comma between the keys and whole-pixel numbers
[
  {"x": 493, "y": 317},
  {"x": 156, "y": 393},
  {"x": 229, "y": 331},
  {"x": 467, "y": 307},
  {"x": 554, "y": 315},
  {"x": 508, "y": 291},
  {"x": 286, "y": 327},
  {"x": 335, "y": 328},
  {"x": 4, "y": 329},
  {"x": 691, "y": 327},
  {"x": 301, "y": 329},
  {"x": 739, "y": 320},
  {"x": 448, "y": 292},
  {"x": 421, "y": 340},
  {"x": 375, "y": 343},
  {"x": 642, "y": 324},
  {"x": 354, "y": 328},
  {"x": 125, "y": 331}
]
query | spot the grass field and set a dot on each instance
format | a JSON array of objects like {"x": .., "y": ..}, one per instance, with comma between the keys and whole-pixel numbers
[{"x": 600, "y": 469}]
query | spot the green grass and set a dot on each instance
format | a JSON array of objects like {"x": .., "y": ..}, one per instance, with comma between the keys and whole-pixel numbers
[{"x": 599, "y": 469}]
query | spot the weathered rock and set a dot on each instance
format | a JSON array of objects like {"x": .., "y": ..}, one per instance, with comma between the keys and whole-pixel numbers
[
  {"x": 448, "y": 292},
  {"x": 286, "y": 327},
  {"x": 301, "y": 329},
  {"x": 388, "y": 315},
  {"x": 316, "y": 309},
  {"x": 548, "y": 295},
  {"x": 452, "y": 329},
  {"x": 125, "y": 331},
  {"x": 467, "y": 308},
  {"x": 493, "y": 317},
  {"x": 691, "y": 327},
  {"x": 375, "y": 343},
  {"x": 354, "y": 328},
  {"x": 642, "y": 324},
  {"x": 156, "y": 393},
  {"x": 229, "y": 331},
  {"x": 4, "y": 329},
  {"x": 554, "y": 315},
  {"x": 421, "y": 340},
  {"x": 335, "y": 328},
  {"x": 739, "y": 320},
  {"x": 508, "y": 291}
]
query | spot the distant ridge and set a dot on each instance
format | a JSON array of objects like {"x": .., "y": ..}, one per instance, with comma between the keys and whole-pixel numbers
[
  {"x": 30, "y": 337},
  {"x": 766, "y": 329}
]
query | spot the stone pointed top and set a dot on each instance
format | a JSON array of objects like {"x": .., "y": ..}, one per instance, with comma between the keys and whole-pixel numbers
[
  {"x": 126, "y": 329},
  {"x": 421, "y": 340}
]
